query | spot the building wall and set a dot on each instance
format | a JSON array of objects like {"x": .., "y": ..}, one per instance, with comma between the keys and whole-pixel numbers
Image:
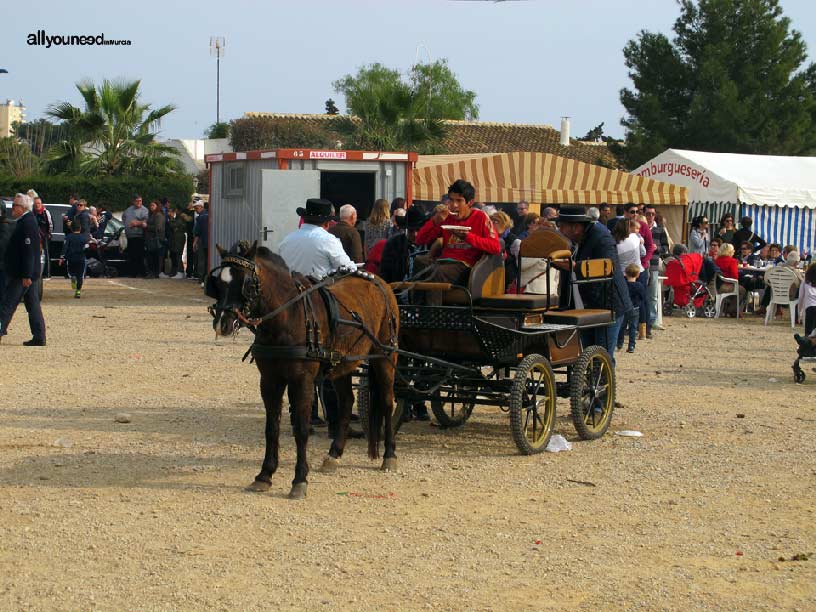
[
  {"x": 234, "y": 219},
  {"x": 191, "y": 151},
  {"x": 10, "y": 112}
]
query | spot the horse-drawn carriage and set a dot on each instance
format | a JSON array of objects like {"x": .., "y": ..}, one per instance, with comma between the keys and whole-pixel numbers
[
  {"x": 481, "y": 346},
  {"x": 485, "y": 347}
]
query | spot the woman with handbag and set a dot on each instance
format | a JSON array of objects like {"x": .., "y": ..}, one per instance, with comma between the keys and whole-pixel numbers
[{"x": 154, "y": 234}]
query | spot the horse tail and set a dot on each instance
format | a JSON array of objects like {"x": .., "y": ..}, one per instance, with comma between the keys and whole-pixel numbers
[{"x": 375, "y": 415}]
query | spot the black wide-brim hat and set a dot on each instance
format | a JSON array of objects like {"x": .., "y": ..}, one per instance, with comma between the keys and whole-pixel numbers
[
  {"x": 571, "y": 213},
  {"x": 413, "y": 219},
  {"x": 317, "y": 209}
]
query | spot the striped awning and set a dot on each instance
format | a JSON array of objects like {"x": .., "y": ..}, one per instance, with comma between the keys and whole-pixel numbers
[
  {"x": 544, "y": 178},
  {"x": 796, "y": 226}
]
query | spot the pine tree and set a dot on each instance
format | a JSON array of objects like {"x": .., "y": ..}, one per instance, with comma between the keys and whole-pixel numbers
[{"x": 732, "y": 80}]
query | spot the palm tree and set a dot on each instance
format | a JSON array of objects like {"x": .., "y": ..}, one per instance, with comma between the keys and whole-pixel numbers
[
  {"x": 387, "y": 113},
  {"x": 114, "y": 135}
]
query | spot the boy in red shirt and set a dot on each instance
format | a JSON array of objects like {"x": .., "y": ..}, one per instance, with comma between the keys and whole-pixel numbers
[{"x": 468, "y": 234}]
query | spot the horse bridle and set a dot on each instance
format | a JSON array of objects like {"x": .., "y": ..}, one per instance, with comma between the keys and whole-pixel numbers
[{"x": 250, "y": 291}]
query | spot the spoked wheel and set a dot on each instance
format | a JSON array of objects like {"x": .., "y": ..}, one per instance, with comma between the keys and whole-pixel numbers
[
  {"x": 709, "y": 308},
  {"x": 690, "y": 309},
  {"x": 364, "y": 407},
  {"x": 532, "y": 404},
  {"x": 592, "y": 393},
  {"x": 451, "y": 411}
]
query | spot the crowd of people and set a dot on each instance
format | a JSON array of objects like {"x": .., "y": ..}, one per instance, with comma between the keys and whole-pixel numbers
[{"x": 442, "y": 245}]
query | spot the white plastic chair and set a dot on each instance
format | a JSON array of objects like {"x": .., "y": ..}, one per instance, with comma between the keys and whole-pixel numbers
[
  {"x": 781, "y": 279},
  {"x": 721, "y": 296}
]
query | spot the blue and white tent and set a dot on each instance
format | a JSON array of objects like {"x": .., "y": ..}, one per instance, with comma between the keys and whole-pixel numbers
[{"x": 778, "y": 193}]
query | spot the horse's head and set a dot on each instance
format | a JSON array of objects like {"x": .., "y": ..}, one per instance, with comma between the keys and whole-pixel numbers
[{"x": 234, "y": 287}]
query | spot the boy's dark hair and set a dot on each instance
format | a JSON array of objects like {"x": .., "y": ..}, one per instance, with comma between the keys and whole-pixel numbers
[
  {"x": 632, "y": 270},
  {"x": 620, "y": 210},
  {"x": 776, "y": 246},
  {"x": 717, "y": 239},
  {"x": 746, "y": 222},
  {"x": 810, "y": 275},
  {"x": 464, "y": 189}
]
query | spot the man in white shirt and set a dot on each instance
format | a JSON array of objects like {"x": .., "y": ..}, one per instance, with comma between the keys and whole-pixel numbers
[{"x": 311, "y": 250}]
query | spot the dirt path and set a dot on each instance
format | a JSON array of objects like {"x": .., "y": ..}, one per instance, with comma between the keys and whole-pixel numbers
[{"x": 152, "y": 515}]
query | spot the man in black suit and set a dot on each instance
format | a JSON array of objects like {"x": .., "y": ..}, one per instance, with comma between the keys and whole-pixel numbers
[
  {"x": 591, "y": 241},
  {"x": 22, "y": 272}
]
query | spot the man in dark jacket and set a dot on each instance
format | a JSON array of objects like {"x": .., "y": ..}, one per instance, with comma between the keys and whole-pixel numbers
[
  {"x": 348, "y": 234},
  {"x": 746, "y": 234},
  {"x": 399, "y": 250},
  {"x": 6, "y": 229},
  {"x": 22, "y": 262},
  {"x": 590, "y": 241}
]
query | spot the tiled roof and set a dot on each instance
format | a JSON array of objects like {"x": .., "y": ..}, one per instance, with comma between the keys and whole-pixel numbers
[{"x": 464, "y": 137}]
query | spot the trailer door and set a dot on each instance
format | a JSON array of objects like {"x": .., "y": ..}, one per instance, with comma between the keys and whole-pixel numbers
[{"x": 283, "y": 191}]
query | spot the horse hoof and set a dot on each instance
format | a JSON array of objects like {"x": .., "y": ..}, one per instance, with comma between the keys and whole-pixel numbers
[
  {"x": 259, "y": 486},
  {"x": 389, "y": 464},
  {"x": 298, "y": 491},
  {"x": 330, "y": 464}
]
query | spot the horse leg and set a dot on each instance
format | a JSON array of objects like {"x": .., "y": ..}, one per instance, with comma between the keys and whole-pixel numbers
[
  {"x": 300, "y": 398},
  {"x": 382, "y": 399},
  {"x": 272, "y": 394},
  {"x": 345, "y": 400}
]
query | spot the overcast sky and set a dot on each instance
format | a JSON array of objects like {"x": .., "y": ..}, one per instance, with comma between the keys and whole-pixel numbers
[{"x": 528, "y": 62}]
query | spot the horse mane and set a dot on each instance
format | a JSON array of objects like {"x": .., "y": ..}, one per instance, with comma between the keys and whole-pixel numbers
[{"x": 273, "y": 274}]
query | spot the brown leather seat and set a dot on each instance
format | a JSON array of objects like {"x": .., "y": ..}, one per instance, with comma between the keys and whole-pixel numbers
[
  {"x": 522, "y": 301},
  {"x": 585, "y": 317},
  {"x": 486, "y": 279}
]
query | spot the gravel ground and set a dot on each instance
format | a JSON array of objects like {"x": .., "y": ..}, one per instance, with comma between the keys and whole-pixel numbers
[{"x": 152, "y": 515}]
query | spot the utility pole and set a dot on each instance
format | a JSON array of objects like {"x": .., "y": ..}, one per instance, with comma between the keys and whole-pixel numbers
[{"x": 217, "y": 44}]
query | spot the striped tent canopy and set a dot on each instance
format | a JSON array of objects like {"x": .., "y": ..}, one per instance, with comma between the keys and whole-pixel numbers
[
  {"x": 544, "y": 178},
  {"x": 796, "y": 226}
]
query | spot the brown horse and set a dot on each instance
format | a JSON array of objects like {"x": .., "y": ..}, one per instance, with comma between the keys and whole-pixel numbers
[{"x": 254, "y": 281}]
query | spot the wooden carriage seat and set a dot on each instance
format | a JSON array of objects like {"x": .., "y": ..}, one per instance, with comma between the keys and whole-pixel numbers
[
  {"x": 486, "y": 279},
  {"x": 545, "y": 243},
  {"x": 584, "y": 317}
]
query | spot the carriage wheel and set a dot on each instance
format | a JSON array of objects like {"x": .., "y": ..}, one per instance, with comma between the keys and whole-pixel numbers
[
  {"x": 709, "y": 308},
  {"x": 450, "y": 411},
  {"x": 592, "y": 393},
  {"x": 690, "y": 309},
  {"x": 364, "y": 407},
  {"x": 532, "y": 404}
]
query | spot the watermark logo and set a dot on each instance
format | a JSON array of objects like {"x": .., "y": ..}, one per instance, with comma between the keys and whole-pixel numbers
[{"x": 41, "y": 39}]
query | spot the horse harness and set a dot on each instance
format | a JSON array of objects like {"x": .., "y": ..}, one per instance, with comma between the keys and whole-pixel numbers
[{"x": 314, "y": 349}]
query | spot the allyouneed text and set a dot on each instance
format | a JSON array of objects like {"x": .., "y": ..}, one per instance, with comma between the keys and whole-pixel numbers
[{"x": 40, "y": 38}]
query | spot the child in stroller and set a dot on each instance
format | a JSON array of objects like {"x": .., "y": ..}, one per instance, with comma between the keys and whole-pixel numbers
[
  {"x": 807, "y": 311},
  {"x": 687, "y": 291}
]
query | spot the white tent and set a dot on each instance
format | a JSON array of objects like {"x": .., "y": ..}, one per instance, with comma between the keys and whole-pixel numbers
[{"x": 778, "y": 193}]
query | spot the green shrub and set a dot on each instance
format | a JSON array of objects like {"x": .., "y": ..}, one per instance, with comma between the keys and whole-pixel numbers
[{"x": 115, "y": 193}]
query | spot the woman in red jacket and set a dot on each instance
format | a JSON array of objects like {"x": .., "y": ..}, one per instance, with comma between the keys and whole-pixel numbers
[{"x": 727, "y": 264}]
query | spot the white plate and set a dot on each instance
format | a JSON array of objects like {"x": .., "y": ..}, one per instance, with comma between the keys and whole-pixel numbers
[{"x": 450, "y": 228}]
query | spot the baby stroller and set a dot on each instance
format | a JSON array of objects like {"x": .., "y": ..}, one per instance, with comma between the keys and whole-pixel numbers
[
  {"x": 686, "y": 291},
  {"x": 805, "y": 354}
]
